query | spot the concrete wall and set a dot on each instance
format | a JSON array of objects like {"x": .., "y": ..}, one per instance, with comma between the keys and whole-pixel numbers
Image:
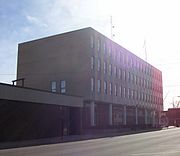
[{"x": 60, "y": 57}]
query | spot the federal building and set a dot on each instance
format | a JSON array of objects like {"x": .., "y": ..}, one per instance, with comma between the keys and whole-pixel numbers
[{"x": 79, "y": 82}]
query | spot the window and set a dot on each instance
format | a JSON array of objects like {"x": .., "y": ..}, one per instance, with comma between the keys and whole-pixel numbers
[
  {"x": 142, "y": 96},
  {"x": 109, "y": 51},
  {"x": 115, "y": 90},
  {"x": 92, "y": 42},
  {"x": 128, "y": 93},
  {"x": 132, "y": 62},
  {"x": 132, "y": 94},
  {"x": 120, "y": 59},
  {"x": 99, "y": 65},
  {"x": 116, "y": 54},
  {"x": 120, "y": 91},
  {"x": 135, "y": 79},
  {"x": 140, "y": 81},
  {"x": 92, "y": 62},
  {"x": 110, "y": 88},
  {"x": 137, "y": 82},
  {"x": 123, "y": 59},
  {"x": 105, "y": 67},
  {"x": 137, "y": 64},
  {"x": 99, "y": 86},
  {"x": 105, "y": 87},
  {"x": 124, "y": 92},
  {"x": 98, "y": 45},
  {"x": 132, "y": 78},
  {"x": 110, "y": 69},
  {"x": 124, "y": 75},
  {"x": 135, "y": 95},
  {"x": 92, "y": 84},
  {"x": 139, "y": 96},
  {"x": 115, "y": 71},
  {"x": 53, "y": 86},
  {"x": 145, "y": 83},
  {"x": 119, "y": 75},
  {"x": 129, "y": 76},
  {"x": 142, "y": 67},
  {"x": 63, "y": 86},
  {"x": 104, "y": 48},
  {"x": 113, "y": 54}
]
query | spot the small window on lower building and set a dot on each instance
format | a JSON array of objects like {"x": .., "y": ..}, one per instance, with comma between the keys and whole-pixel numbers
[
  {"x": 53, "y": 86},
  {"x": 63, "y": 86}
]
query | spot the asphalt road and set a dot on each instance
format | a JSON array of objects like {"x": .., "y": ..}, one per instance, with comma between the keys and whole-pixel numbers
[{"x": 158, "y": 143}]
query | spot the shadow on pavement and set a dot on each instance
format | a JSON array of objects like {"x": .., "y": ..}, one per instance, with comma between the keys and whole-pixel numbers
[{"x": 73, "y": 138}]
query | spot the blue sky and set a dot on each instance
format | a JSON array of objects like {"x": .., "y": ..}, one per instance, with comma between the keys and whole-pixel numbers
[
  {"x": 157, "y": 21},
  {"x": 25, "y": 20}
]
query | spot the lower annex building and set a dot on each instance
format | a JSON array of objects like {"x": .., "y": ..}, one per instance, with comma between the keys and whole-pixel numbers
[{"x": 116, "y": 88}]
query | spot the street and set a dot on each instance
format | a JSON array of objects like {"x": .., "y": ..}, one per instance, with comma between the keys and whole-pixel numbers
[{"x": 158, "y": 143}]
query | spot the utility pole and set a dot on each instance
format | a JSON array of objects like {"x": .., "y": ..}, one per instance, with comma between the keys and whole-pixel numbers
[{"x": 112, "y": 27}]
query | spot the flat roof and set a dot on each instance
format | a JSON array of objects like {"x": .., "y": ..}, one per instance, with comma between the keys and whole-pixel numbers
[{"x": 11, "y": 92}]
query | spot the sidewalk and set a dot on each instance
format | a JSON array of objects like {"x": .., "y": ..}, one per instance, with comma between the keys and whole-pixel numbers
[{"x": 70, "y": 138}]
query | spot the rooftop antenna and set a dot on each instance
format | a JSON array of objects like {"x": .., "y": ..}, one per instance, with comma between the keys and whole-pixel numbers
[
  {"x": 145, "y": 50},
  {"x": 112, "y": 27},
  {"x": 166, "y": 96}
]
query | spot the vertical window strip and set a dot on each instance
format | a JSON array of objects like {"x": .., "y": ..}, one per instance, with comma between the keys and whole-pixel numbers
[
  {"x": 120, "y": 91},
  {"x": 128, "y": 93},
  {"x": 92, "y": 62},
  {"x": 115, "y": 90},
  {"x": 99, "y": 86},
  {"x": 124, "y": 92},
  {"x": 110, "y": 88},
  {"x": 110, "y": 69},
  {"x": 105, "y": 87},
  {"x": 98, "y": 45},
  {"x": 105, "y": 67},
  {"x": 92, "y": 84},
  {"x": 99, "y": 65}
]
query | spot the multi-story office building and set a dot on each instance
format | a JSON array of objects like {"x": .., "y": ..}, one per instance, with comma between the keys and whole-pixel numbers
[{"x": 118, "y": 88}]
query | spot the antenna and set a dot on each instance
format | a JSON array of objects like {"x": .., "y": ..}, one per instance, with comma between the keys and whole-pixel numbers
[
  {"x": 166, "y": 96},
  {"x": 145, "y": 50},
  {"x": 112, "y": 26}
]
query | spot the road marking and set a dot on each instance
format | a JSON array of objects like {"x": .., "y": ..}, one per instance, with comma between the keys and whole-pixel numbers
[{"x": 155, "y": 153}]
